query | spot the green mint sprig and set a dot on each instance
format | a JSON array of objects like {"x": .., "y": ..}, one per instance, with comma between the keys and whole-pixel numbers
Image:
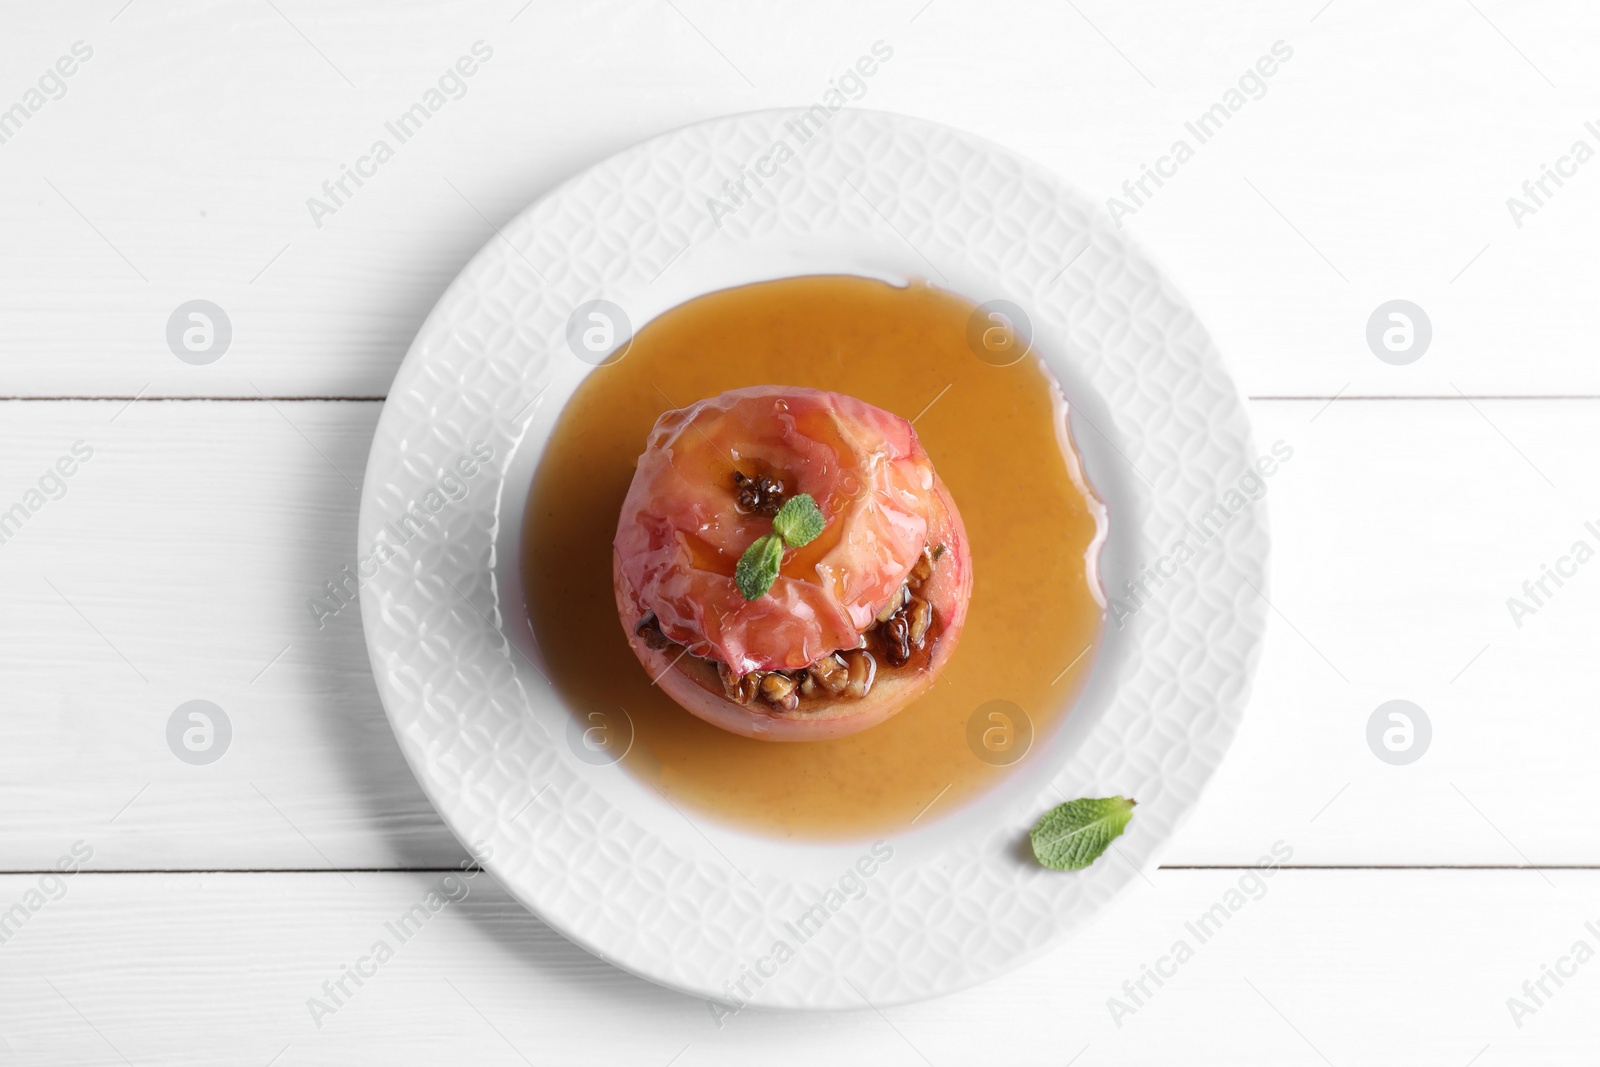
[
  {"x": 758, "y": 567},
  {"x": 1071, "y": 836},
  {"x": 797, "y": 523}
]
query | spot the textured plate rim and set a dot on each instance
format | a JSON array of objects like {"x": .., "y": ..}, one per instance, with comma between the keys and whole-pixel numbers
[{"x": 416, "y": 434}]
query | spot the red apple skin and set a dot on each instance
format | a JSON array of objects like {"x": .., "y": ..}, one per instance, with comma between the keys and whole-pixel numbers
[
  {"x": 680, "y": 533},
  {"x": 693, "y": 683}
]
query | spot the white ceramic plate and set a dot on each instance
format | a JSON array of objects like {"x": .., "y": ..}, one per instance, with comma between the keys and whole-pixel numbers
[{"x": 601, "y": 856}]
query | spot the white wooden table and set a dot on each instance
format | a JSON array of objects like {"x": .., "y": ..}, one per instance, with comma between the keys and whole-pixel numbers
[{"x": 214, "y": 900}]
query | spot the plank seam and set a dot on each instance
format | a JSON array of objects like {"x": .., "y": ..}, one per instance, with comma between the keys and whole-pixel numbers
[
  {"x": 1263, "y": 398},
  {"x": 1163, "y": 867}
]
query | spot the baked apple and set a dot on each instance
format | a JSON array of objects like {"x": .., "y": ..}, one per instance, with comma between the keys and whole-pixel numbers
[{"x": 788, "y": 565}]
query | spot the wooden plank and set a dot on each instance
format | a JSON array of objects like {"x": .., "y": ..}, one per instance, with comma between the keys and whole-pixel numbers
[
  {"x": 177, "y": 567},
  {"x": 1398, "y": 967},
  {"x": 178, "y": 564},
  {"x": 1361, "y": 174}
]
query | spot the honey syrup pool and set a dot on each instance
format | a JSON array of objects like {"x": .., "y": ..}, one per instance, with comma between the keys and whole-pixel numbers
[{"x": 995, "y": 436}]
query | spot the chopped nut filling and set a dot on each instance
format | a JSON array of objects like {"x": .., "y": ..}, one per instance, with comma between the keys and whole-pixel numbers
[
  {"x": 739, "y": 688},
  {"x": 777, "y": 689},
  {"x": 650, "y": 630},
  {"x": 899, "y": 631},
  {"x": 863, "y": 669},
  {"x": 897, "y": 638},
  {"x": 919, "y": 614},
  {"x": 758, "y": 496}
]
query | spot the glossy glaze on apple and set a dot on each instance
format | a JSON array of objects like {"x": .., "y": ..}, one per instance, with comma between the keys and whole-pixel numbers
[
  {"x": 858, "y": 623},
  {"x": 995, "y": 436}
]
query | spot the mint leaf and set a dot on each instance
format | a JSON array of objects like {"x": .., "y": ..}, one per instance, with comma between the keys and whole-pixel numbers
[
  {"x": 1071, "y": 836},
  {"x": 758, "y": 567},
  {"x": 799, "y": 521}
]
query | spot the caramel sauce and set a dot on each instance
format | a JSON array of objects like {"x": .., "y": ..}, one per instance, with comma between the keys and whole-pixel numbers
[{"x": 995, "y": 438}]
